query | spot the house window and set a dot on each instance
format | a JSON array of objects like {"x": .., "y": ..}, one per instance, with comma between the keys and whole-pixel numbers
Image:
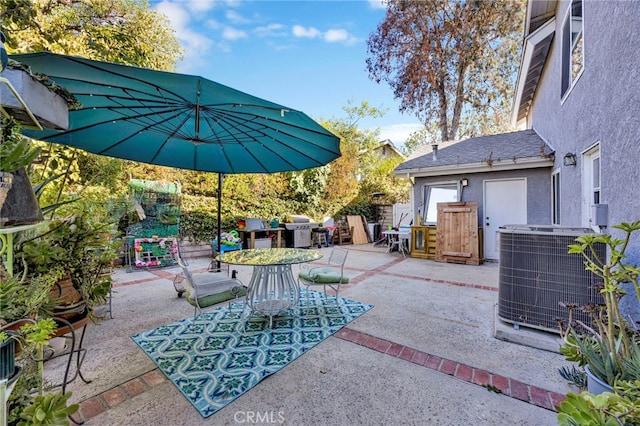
[
  {"x": 572, "y": 46},
  {"x": 595, "y": 188},
  {"x": 591, "y": 190},
  {"x": 555, "y": 190},
  {"x": 438, "y": 193}
]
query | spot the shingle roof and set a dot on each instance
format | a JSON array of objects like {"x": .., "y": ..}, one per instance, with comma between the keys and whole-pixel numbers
[{"x": 503, "y": 147}]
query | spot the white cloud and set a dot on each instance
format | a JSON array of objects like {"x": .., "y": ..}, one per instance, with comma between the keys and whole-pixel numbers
[
  {"x": 269, "y": 30},
  {"x": 336, "y": 35},
  {"x": 201, "y": 5},
  {"x": 180, "y": 20},
  {"x": 235, "y": 18},
  {"x": 333, "y": 36},
  {"x": 177, "y": 15},
  {"x": 230, "y": 33},
  {"x": 213, "y": 24},
  {"x": 377, "y": 4},
  {"x": 311, "y": 32}
]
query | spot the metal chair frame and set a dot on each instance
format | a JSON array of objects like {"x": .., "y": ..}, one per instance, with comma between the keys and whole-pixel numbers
[
  {"x": 197, "y": 284},
  {"x": 336, "y": 261}
]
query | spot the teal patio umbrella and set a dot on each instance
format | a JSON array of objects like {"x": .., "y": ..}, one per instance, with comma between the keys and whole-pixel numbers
[{"x": 179, "y": 120}]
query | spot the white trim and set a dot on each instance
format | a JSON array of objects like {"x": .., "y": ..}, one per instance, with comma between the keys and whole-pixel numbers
[
  {"x": 591, "y": 148},
  {"x": 530, "y": 44},
  {"x": 426, "y": 195},
  {"x": 484, "y": 208},
  {"x": 575, "y": 80},
  {"x": 556, "y": 192},
  {"x": 587, "y": 183},
  {"x": 479, "y": 167}
]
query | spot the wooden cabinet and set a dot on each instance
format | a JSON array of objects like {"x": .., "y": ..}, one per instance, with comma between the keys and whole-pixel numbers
[
  {"x": 458, "y": 238},
  {"x": 423, "y": 242},
  {"x": 154, "y": 252}
]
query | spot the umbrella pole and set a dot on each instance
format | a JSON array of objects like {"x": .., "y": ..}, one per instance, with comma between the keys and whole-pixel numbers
[{"x": 219, "y": 219}]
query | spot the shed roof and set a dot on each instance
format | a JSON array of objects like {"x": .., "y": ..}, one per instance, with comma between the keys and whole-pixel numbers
[{"x": 504, "y": 151}]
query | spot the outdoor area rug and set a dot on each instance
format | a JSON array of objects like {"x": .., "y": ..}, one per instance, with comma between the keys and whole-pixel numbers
[{"x": 215, "y": 359}]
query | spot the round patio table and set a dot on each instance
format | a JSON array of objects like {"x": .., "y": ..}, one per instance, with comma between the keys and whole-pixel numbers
[{"x": 272, "y": 289}]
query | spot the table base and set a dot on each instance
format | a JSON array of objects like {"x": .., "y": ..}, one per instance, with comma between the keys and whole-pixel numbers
[{"x": 272, "y": 290}]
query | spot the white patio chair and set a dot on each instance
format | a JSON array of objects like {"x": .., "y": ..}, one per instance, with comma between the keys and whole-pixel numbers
[
  {"x": 331, "y": 275},
  {"x": 204, "y": 289}
]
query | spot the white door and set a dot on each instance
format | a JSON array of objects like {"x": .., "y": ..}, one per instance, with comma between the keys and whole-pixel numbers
[{"x": 505, "y": 203}]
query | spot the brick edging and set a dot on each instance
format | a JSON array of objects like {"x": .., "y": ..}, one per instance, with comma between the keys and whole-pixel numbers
[
  {"x": 493, "y": 382},
  {"x": 110, "y": 398}
]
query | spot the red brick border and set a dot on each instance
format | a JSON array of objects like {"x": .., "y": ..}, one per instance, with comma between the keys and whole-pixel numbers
[
  {"x": 509, "y": 387},
  {"x": 119, "y": 394}
]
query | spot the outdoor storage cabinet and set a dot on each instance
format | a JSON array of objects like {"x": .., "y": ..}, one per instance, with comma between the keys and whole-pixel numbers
[
  {"x": 537, "y": 273},
  {"x": 458, "y": 239},
  {"x": 423, "y": 242}
]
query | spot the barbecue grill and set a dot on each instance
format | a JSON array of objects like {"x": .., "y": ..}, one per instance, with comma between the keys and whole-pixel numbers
[{"x": 298, "y": 231}]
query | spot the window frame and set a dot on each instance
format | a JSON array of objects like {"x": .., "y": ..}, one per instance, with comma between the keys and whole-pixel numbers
[
  {"x": 591, "y": 157},
  {"x": 556, "y": 197},
  {"x": 426, "y": 197},
  {"x": 568, "y": 46}
]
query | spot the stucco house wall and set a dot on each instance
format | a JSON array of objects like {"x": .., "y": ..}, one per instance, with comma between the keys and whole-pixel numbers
[
  {"x": 602, "y": 107},
  {"x": 538, "y": 190}
]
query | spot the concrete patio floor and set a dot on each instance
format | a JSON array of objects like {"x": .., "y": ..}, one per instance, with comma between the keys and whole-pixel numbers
[{"x": 425, "y": 354}]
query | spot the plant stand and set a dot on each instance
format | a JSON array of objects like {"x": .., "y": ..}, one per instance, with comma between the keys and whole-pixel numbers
[{"x": 68, "y": 331}]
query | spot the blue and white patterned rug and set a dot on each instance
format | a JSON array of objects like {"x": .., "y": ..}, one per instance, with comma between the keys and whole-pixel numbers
[{"x": 213, "y": 367}]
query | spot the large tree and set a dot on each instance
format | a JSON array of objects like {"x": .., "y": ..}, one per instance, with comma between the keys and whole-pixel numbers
[
  {"x": 449, "y": 61},
  {"x": 123, "y": 31}
]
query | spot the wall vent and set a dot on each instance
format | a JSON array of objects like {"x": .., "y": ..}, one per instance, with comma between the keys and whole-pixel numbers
[{"x": 537, "y": 273}]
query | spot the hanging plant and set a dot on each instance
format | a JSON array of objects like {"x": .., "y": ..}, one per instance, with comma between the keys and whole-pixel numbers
[{"x": 72, "y": 101}]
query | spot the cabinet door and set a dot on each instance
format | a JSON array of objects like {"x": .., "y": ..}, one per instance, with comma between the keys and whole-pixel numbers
[{"x": 418, "y": 240}]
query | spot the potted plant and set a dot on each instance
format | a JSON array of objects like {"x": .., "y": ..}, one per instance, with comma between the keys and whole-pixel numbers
[
  {"x": 76, "y": 251},
  {"x": 43, "y": 408},
  {"x": 609, "y": 349},
  {"x": 20, "y": 299},
  {"x": 607, "y": 346}
]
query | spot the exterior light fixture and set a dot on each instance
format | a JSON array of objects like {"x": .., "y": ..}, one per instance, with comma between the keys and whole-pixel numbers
[{"x": 570, "y": 159}]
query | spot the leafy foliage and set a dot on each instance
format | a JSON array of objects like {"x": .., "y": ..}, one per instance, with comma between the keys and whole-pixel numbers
[
  {"x": 606, "y": 409},
  {"x": 367, "y": 210},
  {"x": 612, "y": 342},
  {"x": 449, "y": 60},
  {"x": 123, "y": 31},
  {"x": 15, "y": 150},
  {"x": 49, "y": 410}
]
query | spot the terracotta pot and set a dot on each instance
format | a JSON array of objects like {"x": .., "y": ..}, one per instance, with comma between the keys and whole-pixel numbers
[
  {"x": 65, "y": 292},
  {"x": 71, "y": 312}
]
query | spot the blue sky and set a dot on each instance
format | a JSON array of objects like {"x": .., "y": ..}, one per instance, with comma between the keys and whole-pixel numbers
[{"x": 307, "y": 55}]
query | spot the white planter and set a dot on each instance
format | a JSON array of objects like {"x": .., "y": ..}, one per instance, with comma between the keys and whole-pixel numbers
[
  {"x": 49, "y": 108},
  {"x": 594, "y": 384}
]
